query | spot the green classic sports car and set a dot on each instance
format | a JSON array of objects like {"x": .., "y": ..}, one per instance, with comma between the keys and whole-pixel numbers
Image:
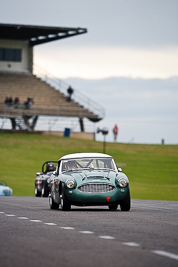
[{"x": 88, "y": 179}]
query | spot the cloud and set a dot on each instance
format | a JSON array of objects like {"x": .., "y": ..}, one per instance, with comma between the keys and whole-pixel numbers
[
  {"x": 133, "y": 98},
  {"x": 103, "y": 62}
]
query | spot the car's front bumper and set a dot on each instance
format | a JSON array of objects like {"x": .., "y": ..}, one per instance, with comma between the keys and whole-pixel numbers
[{"x": 81, "y": 198}]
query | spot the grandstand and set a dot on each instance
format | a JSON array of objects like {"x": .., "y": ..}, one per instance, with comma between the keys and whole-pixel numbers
[{"x": 19, "y": 78}]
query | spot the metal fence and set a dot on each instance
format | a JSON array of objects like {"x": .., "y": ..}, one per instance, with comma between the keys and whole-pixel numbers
[{"x": 61, "y": 86}]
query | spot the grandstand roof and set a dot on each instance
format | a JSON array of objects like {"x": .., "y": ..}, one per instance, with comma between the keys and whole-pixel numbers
[{"x": 37, "y": 34}]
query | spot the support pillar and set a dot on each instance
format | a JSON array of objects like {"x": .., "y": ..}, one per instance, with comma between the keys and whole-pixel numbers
[
  {"x": 31, "y": 125},
  {"x": 13, "y": 123},
  {"x": 81, "y": 125},
  {"x": 34, "y": 122}
]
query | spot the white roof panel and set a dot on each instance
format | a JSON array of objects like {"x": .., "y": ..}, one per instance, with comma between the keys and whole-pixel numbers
[{"x": 85, "y": 155}]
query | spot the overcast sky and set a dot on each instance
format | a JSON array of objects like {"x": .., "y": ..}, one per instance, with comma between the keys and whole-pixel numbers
[
  {"x": 135, "y": 38},
  {"x": 126, "y": 38}
]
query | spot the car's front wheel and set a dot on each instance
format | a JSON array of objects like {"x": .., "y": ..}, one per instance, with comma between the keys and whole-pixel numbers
[
  {"x": 65, "y": 204},
  {"x": 125, "y": 204},
  {"x": 37, "y": 193},
  {"x": 44, "y": 192},
  {"x": 53, "y": 205}
]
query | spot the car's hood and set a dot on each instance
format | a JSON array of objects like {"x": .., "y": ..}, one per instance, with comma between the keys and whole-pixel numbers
[{"x": 90, "y": 176}]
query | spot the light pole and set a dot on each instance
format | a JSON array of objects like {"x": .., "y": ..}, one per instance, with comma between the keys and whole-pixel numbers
[{"x": 104, "y": 132}]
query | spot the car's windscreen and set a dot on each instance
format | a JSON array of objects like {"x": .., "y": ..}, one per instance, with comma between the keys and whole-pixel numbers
[{"x": 94, "y": 163}]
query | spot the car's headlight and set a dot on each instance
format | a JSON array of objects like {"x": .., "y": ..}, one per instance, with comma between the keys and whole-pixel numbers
[
  {"x": 70, "y": 184},
  {"x": 122, "y": 182}
]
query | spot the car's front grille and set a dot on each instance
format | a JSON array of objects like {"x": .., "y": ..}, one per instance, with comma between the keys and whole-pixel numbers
[{"x": 96, "y": 188}]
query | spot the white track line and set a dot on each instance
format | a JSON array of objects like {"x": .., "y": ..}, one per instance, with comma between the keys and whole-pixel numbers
[
  {"x": 86, "y": 232},
  {"x": 166, "y": 254},
  {"x": 106, "y": 237},
  {"x": 67, "y": 228},
  {"x": 131, "y": 244},
  {"x": 22, "y": 218},
  {"x": 50, "y": 224},
  {"x": 10, "y": 215},
  {"x": 35, "y": 221}
]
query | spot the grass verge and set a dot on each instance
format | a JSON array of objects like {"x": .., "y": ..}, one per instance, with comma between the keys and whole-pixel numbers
[{"x": 152, "y": 169}]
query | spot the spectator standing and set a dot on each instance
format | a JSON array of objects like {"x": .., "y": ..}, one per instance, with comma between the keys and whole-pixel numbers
[
  {"x": 28, "y": 102},
  {"x": 6, "y": 101},
  {"x": 10, "y": 101},
  {"x": 115, "y": 132},
  {"x": 16, "y": 102},
  {"x": 70, "y": 92}
]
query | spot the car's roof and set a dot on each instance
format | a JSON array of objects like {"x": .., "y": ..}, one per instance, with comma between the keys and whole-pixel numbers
[{"x": 85, "y": 155}]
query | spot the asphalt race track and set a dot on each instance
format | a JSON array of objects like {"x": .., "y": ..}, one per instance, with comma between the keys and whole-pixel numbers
[{"x": 33, "y": 235}]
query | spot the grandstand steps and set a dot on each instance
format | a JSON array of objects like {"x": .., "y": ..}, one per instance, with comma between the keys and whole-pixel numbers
[{"x": 47, "y": 100}]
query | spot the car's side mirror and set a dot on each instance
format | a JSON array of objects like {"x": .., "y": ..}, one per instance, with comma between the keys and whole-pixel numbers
[
  {"x": 38, "y": 173},
  {"x": 119, "y": 169}
]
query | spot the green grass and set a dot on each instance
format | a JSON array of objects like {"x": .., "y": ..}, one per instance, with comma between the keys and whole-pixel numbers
[{"x": 152, "y": 169}]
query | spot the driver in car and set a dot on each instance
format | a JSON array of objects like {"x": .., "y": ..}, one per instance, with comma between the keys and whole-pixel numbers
[{"x": 71, "y": 165}]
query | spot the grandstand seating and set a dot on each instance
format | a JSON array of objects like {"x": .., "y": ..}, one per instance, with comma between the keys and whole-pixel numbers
[{"x": 47, "y": 100}]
